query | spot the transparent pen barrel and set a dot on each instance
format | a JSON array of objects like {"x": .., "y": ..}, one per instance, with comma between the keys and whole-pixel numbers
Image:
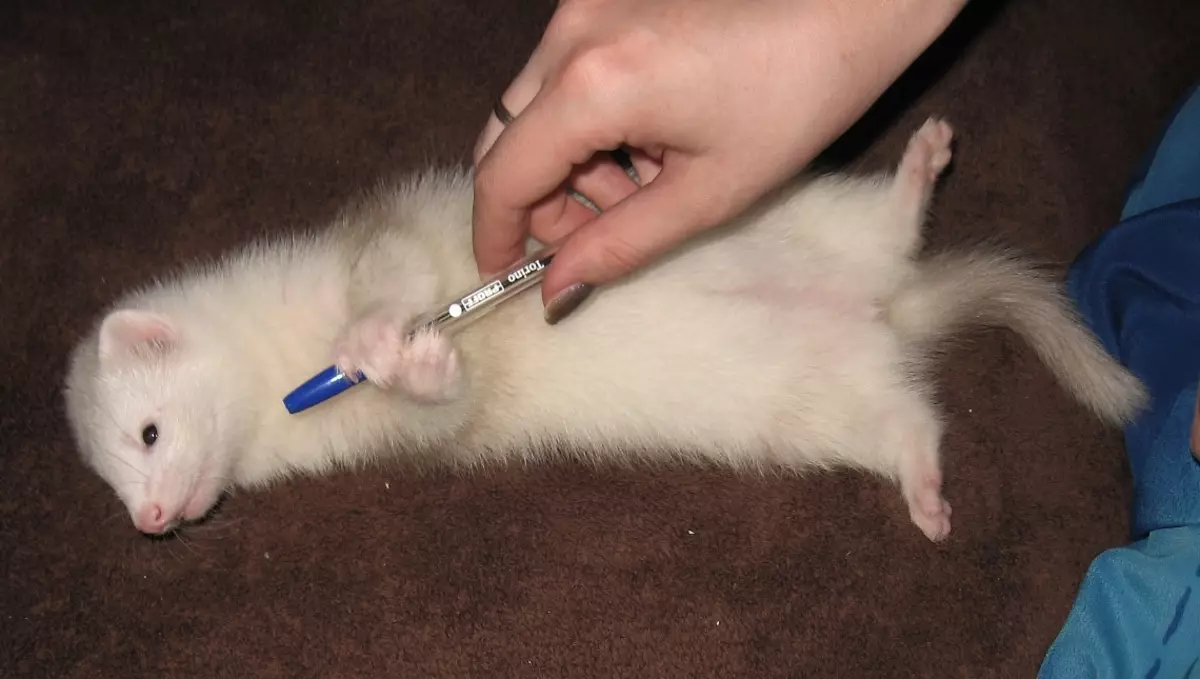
[{"x": 492, "y": 292}]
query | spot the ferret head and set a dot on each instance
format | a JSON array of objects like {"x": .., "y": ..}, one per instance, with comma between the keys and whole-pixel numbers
[{"x": 149, "y": 418}]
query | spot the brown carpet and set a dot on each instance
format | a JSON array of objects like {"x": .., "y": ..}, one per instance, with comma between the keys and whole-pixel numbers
[{"x": 136, "y": 135}]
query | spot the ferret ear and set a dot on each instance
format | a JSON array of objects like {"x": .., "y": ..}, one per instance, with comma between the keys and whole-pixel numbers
[{"x": 126, "y": 330}]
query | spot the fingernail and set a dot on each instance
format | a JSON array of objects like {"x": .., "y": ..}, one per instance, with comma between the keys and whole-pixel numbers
[{"x": 566, "y": 301}]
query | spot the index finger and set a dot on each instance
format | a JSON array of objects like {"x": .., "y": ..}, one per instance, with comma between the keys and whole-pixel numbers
[{"x": 530, "y": 159}]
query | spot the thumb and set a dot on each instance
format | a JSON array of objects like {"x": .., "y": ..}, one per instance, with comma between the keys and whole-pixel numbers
[{"x": 676, "y": 205}]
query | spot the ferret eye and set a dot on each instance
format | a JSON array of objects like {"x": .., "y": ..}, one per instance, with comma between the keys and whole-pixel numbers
[{"x": 150, "y": 435}]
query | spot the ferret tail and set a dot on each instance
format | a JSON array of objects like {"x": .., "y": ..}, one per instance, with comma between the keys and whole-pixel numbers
[{"x": 952, "y": 291}]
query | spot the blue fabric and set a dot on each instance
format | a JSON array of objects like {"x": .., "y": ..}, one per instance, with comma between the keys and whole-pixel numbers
[
  {"x": 1138, "y": 287},
  {"x": 1171, "y": 171},
  {"x": 1137, "y": 613}
]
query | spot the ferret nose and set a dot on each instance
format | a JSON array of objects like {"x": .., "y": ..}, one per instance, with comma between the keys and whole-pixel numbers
[{"x": 151, "y": 518}]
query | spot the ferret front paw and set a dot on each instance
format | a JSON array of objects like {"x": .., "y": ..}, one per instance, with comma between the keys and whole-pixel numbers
[
  {"x": 425, "y": 365},
  {"x": 430, "y": 370}
]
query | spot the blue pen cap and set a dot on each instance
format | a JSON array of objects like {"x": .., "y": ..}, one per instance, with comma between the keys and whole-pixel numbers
[{"x": 324, "y": 385}]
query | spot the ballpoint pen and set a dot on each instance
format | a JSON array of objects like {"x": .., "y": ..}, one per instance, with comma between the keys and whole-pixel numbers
[{"x": 461, "y": 310}]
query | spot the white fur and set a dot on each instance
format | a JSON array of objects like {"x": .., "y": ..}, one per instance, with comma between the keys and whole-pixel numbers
[{"x": 797, "y": 336}]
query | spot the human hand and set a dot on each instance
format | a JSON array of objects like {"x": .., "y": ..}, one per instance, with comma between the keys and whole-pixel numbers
[{"x": 718, "y": 101}]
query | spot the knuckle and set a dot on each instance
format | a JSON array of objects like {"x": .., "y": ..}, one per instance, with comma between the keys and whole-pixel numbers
[
  {"x": 618, "y": 256},
  {"x": 589, "y": 70},
  {"x": 571, "y": 20},
  {"x": 487, "y": 187},
  {"x": 606, "y": 66}
]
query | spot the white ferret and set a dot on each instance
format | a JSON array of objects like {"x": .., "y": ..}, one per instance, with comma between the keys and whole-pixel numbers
[{"x": 799, "y": 335}]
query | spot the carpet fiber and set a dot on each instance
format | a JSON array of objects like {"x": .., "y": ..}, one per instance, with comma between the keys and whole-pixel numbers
[{"x": 137, "y": 135}]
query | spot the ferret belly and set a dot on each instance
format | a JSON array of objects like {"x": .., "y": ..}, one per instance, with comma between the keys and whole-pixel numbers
[{"x": 731, "y": 375}]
